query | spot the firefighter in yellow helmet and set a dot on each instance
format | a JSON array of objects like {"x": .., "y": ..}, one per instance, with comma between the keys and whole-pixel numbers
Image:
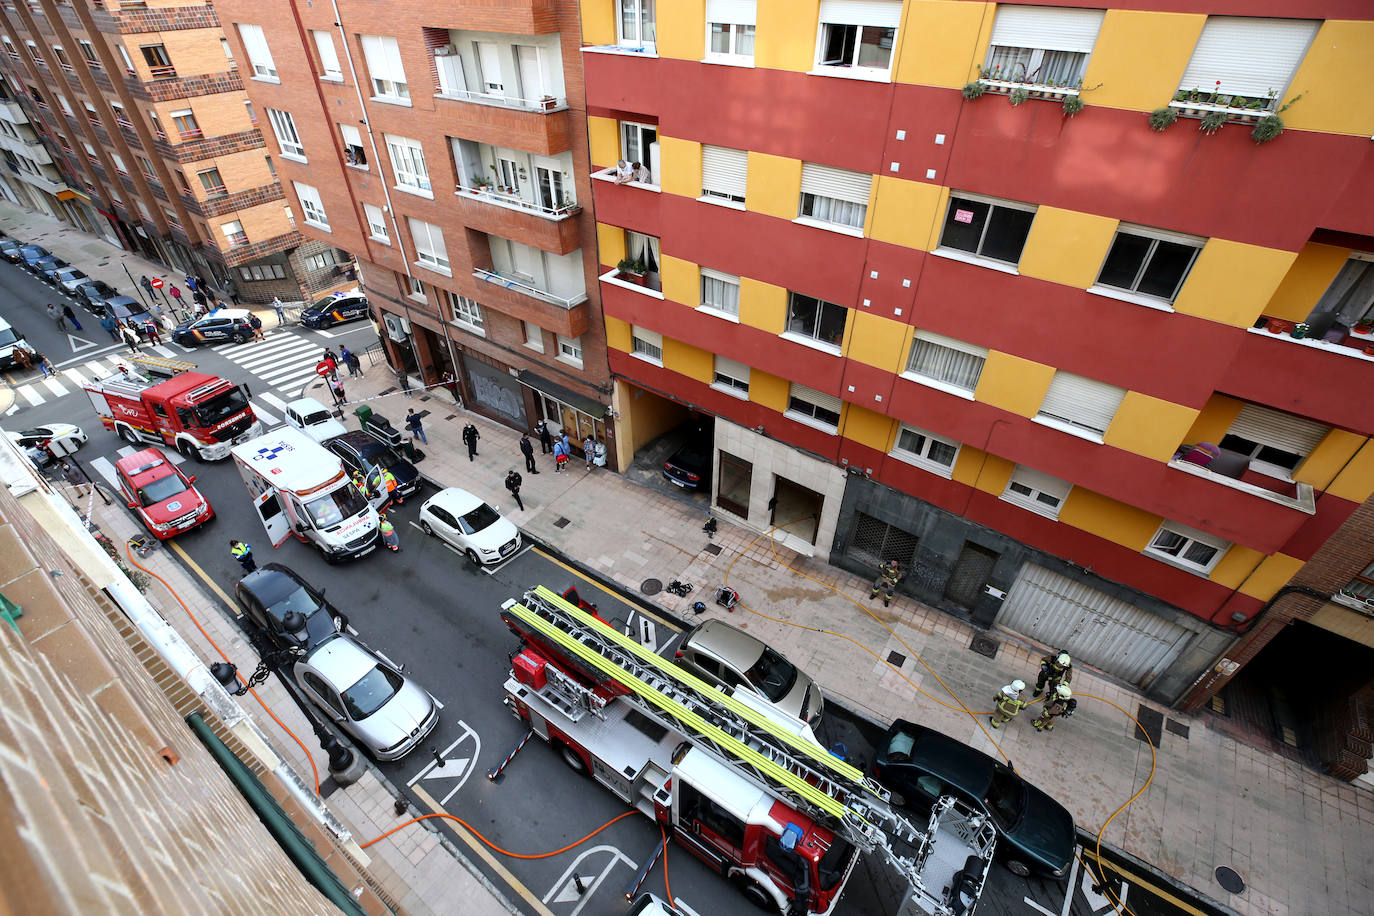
[
  {"x": 1008, "y": 703},
  {"x": 1059, "y": 704},
  {"x": 1055, "y": 669}
]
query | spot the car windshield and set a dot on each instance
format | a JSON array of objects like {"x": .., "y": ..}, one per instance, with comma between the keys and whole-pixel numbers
[
  {"x": 221, "y": 407},
  {"x": 7, "y": 336},
  {"x": 163, "y": 488},
  {"x": 335, "y": 506},
  {"x": 483, "y": 516},
  {"x": 772, "y": 674},
  {"x": 1006, "y": 798},
  {"x": 371, "y": 692},
  {"x": 319, "y": 416}
]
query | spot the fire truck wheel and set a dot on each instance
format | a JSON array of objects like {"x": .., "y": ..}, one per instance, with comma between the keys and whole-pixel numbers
[
  {"x": 573, "y": 759},
  {"x": 188, "y": 451},
  {"x": 127, "y": 434},
  {"x": 758, "y": 896}
]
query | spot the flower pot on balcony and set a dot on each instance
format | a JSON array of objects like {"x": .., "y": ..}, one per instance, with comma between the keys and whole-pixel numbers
[
  {"x": 633, "y": 270},
  {"x": 548, "y": 103},
  {"x": 1278, "y": 326}
]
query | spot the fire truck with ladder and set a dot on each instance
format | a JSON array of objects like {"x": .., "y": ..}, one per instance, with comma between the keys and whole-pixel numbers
[{"x": 754, "y": 798}]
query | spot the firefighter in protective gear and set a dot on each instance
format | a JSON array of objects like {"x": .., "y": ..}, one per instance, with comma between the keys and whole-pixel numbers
[
  {"x": 360, "y": 482},
  {"x": 1060, "y": 703},
  {"x": 887, "y": 580},
  {"x": 1055, "y": 669},
  {"x": 1009, "y": 703}
]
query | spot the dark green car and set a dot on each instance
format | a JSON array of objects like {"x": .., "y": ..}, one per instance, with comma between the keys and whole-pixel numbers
[{"x": 919, "y": 764}]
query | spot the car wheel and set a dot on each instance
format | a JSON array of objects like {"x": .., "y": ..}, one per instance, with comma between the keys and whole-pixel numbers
[
  {"x": 425, "y": 527},
  {"x": 573, "y": 759},
  {"x": 472, "y": 555},
  {"x": 240, "y": 338},
  {"x": 1018, "y": 868},
  {"x": 127, "y": 434},
  {"x": 759, "y": 897}
]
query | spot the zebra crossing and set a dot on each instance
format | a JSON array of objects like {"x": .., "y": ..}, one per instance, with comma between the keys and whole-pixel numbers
[{"x": 284, "y": 361}]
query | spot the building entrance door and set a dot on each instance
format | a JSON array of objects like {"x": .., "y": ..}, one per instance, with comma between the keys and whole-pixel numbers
[{"x": 795, "y": 508}]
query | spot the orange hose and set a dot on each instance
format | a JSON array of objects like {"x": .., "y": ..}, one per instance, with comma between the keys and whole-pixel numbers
[
  {"x": 505, "y": 852},
  {"x": 667, "y": 888}
]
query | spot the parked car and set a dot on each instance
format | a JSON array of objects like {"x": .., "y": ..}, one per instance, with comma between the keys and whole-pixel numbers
[
  {"x": 289, "y": 612},
  {"x": 162, "y": 496},
  {"x": 70, "y": 278},
  {"x": 468, "y": 524},
  {"x": 730, "y": 658},
  {"x": 366, "y": 696},
  {"x": 123, "y": 307},
  {"x": 32, "y": 254},
  {"x": 9, "y": 250},
  {"x": 335, "y": 309},
  {"x": 314, "y": 419},
  {"x": 919, "y": 764},
  {"x": 217, "y": 327},
  {"x": 40, "y": 436},
  {"x": 97, "y": 293},
  {"x": 690, "y": 466},
  {"x": 46, "y": 268},
  {"x": 364, "y": 452}
]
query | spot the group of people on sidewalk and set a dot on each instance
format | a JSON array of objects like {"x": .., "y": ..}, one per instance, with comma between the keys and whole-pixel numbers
[{"x": 1056, "y": 670}]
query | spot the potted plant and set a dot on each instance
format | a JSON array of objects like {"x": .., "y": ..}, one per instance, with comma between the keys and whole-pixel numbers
[
  {"x": 1073, "y": 104},
  {"x": 1161, "y": 118},
  {"x": 1018, "y": 95},
  {"x": 633, "y": 269},
  {"x": 1211, "y": 122},
  {"x": 1267, "y": 129},
  {"x": 548, "y": 103},
  {"x": 1278, "y": 326},
  {"x": 1300, "y": 330},
  {"x": 1365, "y": 325},
  {"x": 974, "y": 90}
]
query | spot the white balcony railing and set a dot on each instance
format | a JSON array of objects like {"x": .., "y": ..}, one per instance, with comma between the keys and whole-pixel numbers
[
  {"x": 492, "y": 276},
  {"x": 515, "y": 202},
  {"x": 541, "y": 103}
]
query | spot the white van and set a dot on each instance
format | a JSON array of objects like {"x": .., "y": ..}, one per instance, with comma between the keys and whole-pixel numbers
[{"x": 9, "y": 339}]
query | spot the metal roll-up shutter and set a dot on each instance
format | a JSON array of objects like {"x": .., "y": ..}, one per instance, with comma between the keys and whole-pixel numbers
[
  {"x": 743, "y": 12},
  {"x": 724, "y": 170},
  {"x": 1249, "y": 56},
  {"x": 1048, "y": 28},
  {"x": 840, "y": 184},
  {"x": 1270, "y": 427},
  {"x": 819, "y": 398},
  {"x": 1082, "y": 401},
  {"x": 727, "y": 366},
  {"x": 862, "y": 12},
  {"x": 1092, "y": 626}
]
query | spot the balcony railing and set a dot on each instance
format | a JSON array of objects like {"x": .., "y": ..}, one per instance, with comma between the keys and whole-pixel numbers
[
  {"x": 163, "y": 73},
  {"x": 238, "y": 239},
  {"x": 488, "y": 194},
  {"x": 217, "y": 191},
  {"x": 541, "y": 103},
  {"x": 492, "y": 276},
  {"x": 191, "y": 133}
]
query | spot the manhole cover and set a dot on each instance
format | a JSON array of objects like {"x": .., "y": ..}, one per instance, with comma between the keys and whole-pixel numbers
[
  {"x": 985, "y": 645},
  {"x": 651, "y": 586},
  {"x": 561, "y": 523},
  {"x": 713, "y": 549},
  {"x": 896, "y": 659},
  {"x": 1231, "y": 882}
]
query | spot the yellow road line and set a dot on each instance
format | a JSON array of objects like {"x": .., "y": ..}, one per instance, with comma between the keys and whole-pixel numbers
[
  {"x": 513, "y": 882},
  {"x": 604, "y": 590},
  {"x": 204, "y": 577},
  {"x": 1134, "y": 879}
]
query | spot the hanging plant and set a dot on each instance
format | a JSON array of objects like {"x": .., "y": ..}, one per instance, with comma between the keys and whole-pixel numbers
[
  {"x": 1017, "y": 97},
  {"x": 1211, "y": 122},
  {"x": 1161, "y": 118},
  {"x": 1072, "y": 105},
  {"x": 974, "y": 90},
  {"x": 1267, "y": 129}
]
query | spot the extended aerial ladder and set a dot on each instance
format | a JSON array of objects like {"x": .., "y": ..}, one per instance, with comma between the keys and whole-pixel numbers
[{"x": 780, "y": 759}]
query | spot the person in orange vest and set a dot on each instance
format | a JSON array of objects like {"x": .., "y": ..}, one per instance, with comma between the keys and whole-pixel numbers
[
  {"x": 392, "y": 491},
  {"x": 389, "y": 534}
]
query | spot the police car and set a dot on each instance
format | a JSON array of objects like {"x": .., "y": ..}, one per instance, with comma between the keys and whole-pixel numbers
[
  {"x": 217, "y": 327},
  {"x": 335, "y": 309}
]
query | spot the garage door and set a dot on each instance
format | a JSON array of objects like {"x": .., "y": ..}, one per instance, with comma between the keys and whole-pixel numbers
[{"x": 1092, "y": 626}]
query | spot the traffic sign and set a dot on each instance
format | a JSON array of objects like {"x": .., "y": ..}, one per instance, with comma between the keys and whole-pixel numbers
[
  {"x": 324, "y": 367},
  {"x": 157, "y": 283}
]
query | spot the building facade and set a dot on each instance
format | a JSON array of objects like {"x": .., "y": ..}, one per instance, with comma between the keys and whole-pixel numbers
[
  {"x": 1066, "y": 309},
  {"x": 446, "y": 149},
  {"x": 129, "y": 119}
]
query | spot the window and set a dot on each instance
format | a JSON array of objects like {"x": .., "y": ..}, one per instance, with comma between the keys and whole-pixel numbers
[
  {"x": 121, "y": 118},
  {"x": 233, "y": 231},
  {"x": 932, "y": 452},
  {"x": 1037, "y": 492},
  {"x": 857, "y": 36},
  {"x": 383, "y": 57},
  {"x": 736, "y": 475},
  {"x": 211, "y": 181},
  {"x": 124, "y": 56},
  {"x": 354, "y": 153},
  {"x": 730, "y": 30},
  {"x": 570, "y": 349},
  {"x": 408, "y": 163},
  {"x": 271, "y": 166},
  {"x": 950, "y": 363},
  {"x": 643, "y": 248},
  {"x": 288, "y": 141},
  {"x": 228, "y": 54},
  {"x": 1042, "y": 46},
  {"x": 1084, "y": 404},
  {"x": 321, "y": 261},
  {"x": 813, "y": 407},
  {"x": 489, "y": 68},
  {"x": 720, "y": 292},
  {"x": 647, "y": 345},
  {"x": 1275, "y": 442},
  {"x": 91, "y": 116},
  {"x": 329, "y": 58},
  {"x": 986, "y": 228},
  {"x": 731, "y": 377},
  {"x": 62, "y": 60},
  {"x": 1185, "y": 547},
  {"x": 259, "y": 55},
  {"x": 466, "y": 313},
  {"x": 88, "y": 52},
  {"x": 816, "y": 319},
  {"x": 534, "y": 336},
  {"x": 414, "y": 287},
  {"x": 724, "y": 173},
  {"x": 312, "y": 208},
  {"x": 635, "y": 24},
  {"x": 1361, "y": 588},
  {"x": 1245, "y": 63},
  {"x": 119, "y": 164},
  {"x": 429, "y": 244},
  {"x": 1149, "y": 262},
  {"x": 187, "y": 127},
  {"x": 639, "y": 143},
  {"x": 1350, "y": 297},
  {"x": 376, "y": 223},
  {"x": 835, "y": 196},
  {"x": 145, "y": 165},
  {"x": 252, "y": 112}
]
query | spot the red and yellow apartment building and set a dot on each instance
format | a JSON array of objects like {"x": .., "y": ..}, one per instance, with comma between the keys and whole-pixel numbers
[
  {"x": 445, "y": 147},
  {"x": 1061, "y": 307}
]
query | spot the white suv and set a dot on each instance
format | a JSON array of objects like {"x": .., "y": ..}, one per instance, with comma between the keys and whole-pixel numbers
[{"x": 314, "y": 419}]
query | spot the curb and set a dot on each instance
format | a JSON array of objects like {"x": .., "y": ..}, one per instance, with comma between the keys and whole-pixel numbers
[{"x": 1116, "y": 855}]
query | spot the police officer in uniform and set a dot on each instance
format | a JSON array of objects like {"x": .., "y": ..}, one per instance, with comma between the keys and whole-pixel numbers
[
  {"x": 1060, "y": 703},
  {"x": 1055, "y": 669},
  {"x": 243, "y": 552},
  {"x": 888, "y": 577},
  {"x": 1008, "y": 703}
]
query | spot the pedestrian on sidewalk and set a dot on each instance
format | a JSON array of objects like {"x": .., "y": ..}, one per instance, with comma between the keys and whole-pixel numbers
[
  {"x": 76, "y": 477},
  {"x": 560, "y": 455},
  {"x": 599, "y": 459},
  {"x": 130, "y": 337},
  {"x": 175, "y": 292},
  {"x": 147, "y": 285},
  {"x": 887, "y": 580},
  {"x": 350, "y": 361},
  {"x": 23, "y": 356},
  {"x": 154, "y": 335},
  {"x": 589, "y": 450},
  {"x": 389, "y": 537},
  {"x": 541, "y": 427},
  {"x": 1008, "y": 703},
  {"x": 198, "y": 298},
  {"x": 277, "y": 307},
  {"x": 527, "y": 449},
  {"x": 190, "y": 281},
  {"x": 243, "y": 552},
  {"x": 110, "y": 325},
  {"x": 256, "y": 324},
  {"x": 513, "y": 482},
  {"x": 57, "y": 317},
  {"x": 336, "y": 388},
  {"x": 403, "y": 381},
  {"x": 1055, "y": 669},
  {"x": 70, "y": 316},
  {"x": 231, "y": 290},
  {"x": 1060, "y": 704},
  {"x": 415, "y": 425},
  {"x": 470, "y": 437}
]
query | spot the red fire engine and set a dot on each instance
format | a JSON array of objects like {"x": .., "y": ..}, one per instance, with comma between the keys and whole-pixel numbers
[{"x": 201, "y": 416}]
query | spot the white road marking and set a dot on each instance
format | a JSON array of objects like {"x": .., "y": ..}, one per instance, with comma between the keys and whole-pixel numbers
[
  {"x": 85, "y": 344},
  {"x": 459, "y": 766},
  {"x": 54, "y": 386},
  {"x": 268, "y": 419},
  {"x": 565, "y": 890},
  {"x": 493, "y": 570},
  {"x": 32, "y": 396},
  {"x": 105, "y": 468},
  {"x": 272, "y": 399}
]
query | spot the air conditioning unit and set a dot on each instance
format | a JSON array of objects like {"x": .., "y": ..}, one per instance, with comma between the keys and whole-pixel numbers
[
  {"x": 397, "y": 328},
  {"x": 445, "y": 51}
]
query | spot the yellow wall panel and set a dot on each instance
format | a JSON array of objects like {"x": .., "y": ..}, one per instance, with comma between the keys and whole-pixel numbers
[
  {"x": 1312, "y": 272},
  {"x": 1230, "y": 282},
  {"x": 774, "y": 185},
  {"x": 1139, "y": 58},
  {"x": 1103, "y": 516},
  {"x": 680, "y": 166},
  {"x": 618, "y": 335},
  {"x": 877, "y": 341},
  {"x": 994, "y": 474},
  {"x": 905, "y": 212},
  {"x": 598, "y": 24},
  {"x": 681, "y": 280},
  {"x": 1273, "y": 573},
  {"x": 769, "y": 390},
  {"x": 610, "y": 243},
  {"x": 786, "y": 34},
  {"x": 603, "y": 138},
  {"x": 1066, "y": 246},
  {"x": 942, "y": 42},
  {"x": 1149, "y": 426},
  {"x": 967, "y": 465},
  {"x": 681, "y": 29},
  {"x": 1234, "y": 568},
  {"x": 688, "y": 360},
  {"x": 762, "y": 305},
  {"x": 1013, "y": 383},
  {"x": 1213, "y": 420},
  {"x": 1341, "y": 49},
  {"x": 1327, "y": 459},
  {"x": 868, "y": 428},
  {"x": 1355, "y": 481}
]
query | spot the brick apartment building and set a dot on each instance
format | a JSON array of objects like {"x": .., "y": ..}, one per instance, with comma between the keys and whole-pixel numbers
[
  {"x": 1036, "y": 300},
  {"x": 129, "y": 119},
  {"x": 445, "y": 147}
]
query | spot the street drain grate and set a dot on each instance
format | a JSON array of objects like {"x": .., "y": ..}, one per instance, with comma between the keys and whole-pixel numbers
[
  {"x": 1175, "y": 727},
  {"x": 1230, "y": 882},
  {"x": 1151, "y": 725},
  {"x": 896, "y": 659},
  {"x": 562, "y": 522},
  {"x": 985, "y": 645},
  {"x": 713, "y": 549},
  {"x": 651, "y": 586}
]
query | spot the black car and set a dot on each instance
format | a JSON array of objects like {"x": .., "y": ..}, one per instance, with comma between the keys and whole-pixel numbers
[
  {"x": 291, "y": 613},
  {"x": 9, "y": 250},
  {"x": 920, "y": 764},
  {"x": 32, "y": 254},
  {"x": 217, "y": 327},
  {"x": 690, "y": 466},
  {"x": 97, "y": 293},
  {"x": 47, "y": 268},
  {"x": 336, "y": 309},
  {"x": 364, "y": 452}
]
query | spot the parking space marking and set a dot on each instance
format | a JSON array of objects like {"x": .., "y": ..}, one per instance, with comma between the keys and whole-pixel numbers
[
  {"x": 457, "y": 766},
  {"x": 493, "y": 570},
  {"x": 565, "y": 889}
]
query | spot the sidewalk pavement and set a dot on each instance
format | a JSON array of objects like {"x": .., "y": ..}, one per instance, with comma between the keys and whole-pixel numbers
[{"x": 1302, "y": 842}]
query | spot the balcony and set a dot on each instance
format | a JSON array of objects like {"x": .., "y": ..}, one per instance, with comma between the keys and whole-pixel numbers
[
  {"x": 519, "y": 220},
  {"x": 566, "y": 315},
  {"x": 1310, "y": 378},
  {"x": 512, "y": 123},
  {"x": 167, "y": 72},
  {"x": 1231, "y": 469},
  {"x": 523, "y": 17}
]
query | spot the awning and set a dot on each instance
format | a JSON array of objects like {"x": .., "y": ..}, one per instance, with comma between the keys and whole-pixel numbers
[
  {"x": 69, "y": 194},
  {"x": 585, "y": 404}
]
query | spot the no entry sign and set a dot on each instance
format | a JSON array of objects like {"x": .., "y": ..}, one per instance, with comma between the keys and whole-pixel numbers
[{"x": 158, "y": 283}]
